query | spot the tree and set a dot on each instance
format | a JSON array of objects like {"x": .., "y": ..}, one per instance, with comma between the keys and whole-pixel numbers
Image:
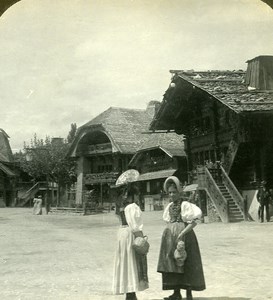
[
  {"x": 46, "y": 160},
  {"x": 72, "y": 133}
]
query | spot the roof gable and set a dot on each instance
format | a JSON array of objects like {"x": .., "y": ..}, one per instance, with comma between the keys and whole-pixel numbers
[
  {"x": 169, "y": 142},
  {"x": 226, "y": 87},
  {"x": 123, "y": 126},
  {"x": 5, "y": 150}
]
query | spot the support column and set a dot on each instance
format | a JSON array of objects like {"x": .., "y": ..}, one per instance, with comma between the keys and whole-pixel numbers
[{"x": 80, "y": 169}]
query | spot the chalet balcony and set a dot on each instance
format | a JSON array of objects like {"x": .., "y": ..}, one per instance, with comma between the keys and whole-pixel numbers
[
  {"x": 97, "y": 178},
  {"x": 157, "y": 164},
  {"x": 94, "y": 149}
]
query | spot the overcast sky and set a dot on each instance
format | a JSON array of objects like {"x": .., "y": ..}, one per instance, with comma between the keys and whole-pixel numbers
[{"x": 66, "y": 61}]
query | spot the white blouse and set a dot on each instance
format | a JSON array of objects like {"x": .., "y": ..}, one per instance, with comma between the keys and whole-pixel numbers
[
  {"x": 189, "y": 212},
  {"x": 133, "y": 217}
]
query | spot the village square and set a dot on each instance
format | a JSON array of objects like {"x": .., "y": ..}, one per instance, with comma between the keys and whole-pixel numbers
[
  {"x": 108, "y": 197},
  {"x": 70, "y": 257}
]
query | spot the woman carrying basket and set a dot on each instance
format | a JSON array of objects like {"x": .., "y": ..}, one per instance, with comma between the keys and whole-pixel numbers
[
  {"x": 180, "y": 217},
  {"x": 130, "y": 268}
]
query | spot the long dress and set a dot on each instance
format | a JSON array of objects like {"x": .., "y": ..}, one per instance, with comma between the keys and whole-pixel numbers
[
  {"x": 130, "y": 269},
  {"x": 189, "y": 276},
  {"x": 37, "y": 207}
]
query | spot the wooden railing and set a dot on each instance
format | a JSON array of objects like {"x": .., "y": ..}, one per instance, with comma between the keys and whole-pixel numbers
[
  {"x": 216, "y": 196},
  {"x": 30, "y": 193},
  {"x": 235, "y": 194}
]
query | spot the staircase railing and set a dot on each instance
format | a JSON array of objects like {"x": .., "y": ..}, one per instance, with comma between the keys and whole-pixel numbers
[
  {"x": 31, "y": 192},
  {"x": 216, "y": 196},
  {"x": 235, "y": 194}
]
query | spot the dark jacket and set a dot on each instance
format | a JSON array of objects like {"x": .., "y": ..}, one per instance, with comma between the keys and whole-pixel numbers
[{"x": 263, "y": 196}]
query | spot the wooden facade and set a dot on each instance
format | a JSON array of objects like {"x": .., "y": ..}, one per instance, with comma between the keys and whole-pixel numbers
[
  {"x": 225, "y": 120},
  {"x": 161, "y": 156}
]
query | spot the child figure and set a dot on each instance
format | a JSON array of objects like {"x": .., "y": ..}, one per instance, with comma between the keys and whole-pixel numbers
[{"x": 180, "y": 254}]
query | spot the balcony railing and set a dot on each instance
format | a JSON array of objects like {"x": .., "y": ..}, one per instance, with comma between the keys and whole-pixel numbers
[{"x": 106, "y": 177}]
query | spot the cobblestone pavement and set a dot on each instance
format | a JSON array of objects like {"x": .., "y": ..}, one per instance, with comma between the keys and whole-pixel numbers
[{"x": 59, "y": 257}]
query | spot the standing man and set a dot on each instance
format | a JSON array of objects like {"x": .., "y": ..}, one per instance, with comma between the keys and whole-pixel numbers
[{"x": 264, "y": 198}]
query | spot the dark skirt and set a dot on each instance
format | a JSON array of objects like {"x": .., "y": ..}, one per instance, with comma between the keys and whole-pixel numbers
[{"x": 191, "y": 275}]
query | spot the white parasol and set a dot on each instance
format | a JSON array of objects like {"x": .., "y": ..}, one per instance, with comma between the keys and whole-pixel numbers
[
  {"x": 130, "y": 175},
  {"x": 190, "y": 188}
]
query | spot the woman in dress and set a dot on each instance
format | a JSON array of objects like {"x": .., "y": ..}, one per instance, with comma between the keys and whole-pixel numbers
[
  {"x": 181, "y": 217},
  {"x": 130, "y": 268},
  {"x": 37, "y": 207}
]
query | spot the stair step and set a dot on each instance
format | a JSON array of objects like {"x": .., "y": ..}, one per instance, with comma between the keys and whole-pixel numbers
[
  {"x": 234, "y": 209},
  {"x": 235, "y": 221},
  {"x": 239, "y": 216},
  {"x": 232, "y": 205}
]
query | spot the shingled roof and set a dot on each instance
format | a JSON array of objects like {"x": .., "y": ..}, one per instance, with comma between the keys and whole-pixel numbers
[
  {"x": 169, "y": 142},
  {"x": 229, "y": 88},
  {"x": 123, "y": 125}
]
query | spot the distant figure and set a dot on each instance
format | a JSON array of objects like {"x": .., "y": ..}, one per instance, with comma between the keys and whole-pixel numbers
[
  {"x": 209, "y": 164},
  {"x": 37, "y": 207},
  {"x": 264, "y": 198}
]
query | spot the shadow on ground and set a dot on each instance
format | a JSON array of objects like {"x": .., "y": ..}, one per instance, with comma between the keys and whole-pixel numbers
[{"x": 213, "y": 298}]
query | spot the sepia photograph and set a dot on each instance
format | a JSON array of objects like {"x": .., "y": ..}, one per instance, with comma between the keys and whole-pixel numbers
[{"x": 136, "y": 149}]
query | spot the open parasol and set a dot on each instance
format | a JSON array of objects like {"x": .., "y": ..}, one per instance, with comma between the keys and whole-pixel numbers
[
  {"x": 130, "y": 175},
  {"x": 190, "y": 188}
]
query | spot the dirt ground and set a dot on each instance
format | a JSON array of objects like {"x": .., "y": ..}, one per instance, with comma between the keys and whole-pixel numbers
[{"x": 59, "y": 257}]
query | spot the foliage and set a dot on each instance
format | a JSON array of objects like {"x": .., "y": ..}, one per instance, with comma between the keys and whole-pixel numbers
[
  {"x": 46, "y": 159},
  {"x": 72, "y": 133}
]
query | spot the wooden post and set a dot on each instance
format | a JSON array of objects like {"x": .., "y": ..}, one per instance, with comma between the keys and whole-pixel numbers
[
  {"x": 47, "y": 202},
  {"x": 101, "y": 193}
]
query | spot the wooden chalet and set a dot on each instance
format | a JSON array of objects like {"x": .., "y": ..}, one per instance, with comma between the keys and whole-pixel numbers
[
  {"x": 160, "y": 156},
  {"x": 226, "y": 117},
  {"x": 104, "y": 147},
  {"x": 7, "y": 174}
]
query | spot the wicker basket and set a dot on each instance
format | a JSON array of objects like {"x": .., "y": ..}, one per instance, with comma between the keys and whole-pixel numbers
[{"x": 141, "y": 245}]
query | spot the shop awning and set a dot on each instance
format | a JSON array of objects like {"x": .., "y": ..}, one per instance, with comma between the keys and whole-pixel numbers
[
  {"x": 6, "y": 170},
  {"x": 190, "y": 188},
  {"x": 156, "y": 175}
]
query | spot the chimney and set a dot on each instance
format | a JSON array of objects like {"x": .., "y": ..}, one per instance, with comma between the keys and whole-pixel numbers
[
  {"x": 259, "y": 73},
  {"x": 152, "y": 107}
]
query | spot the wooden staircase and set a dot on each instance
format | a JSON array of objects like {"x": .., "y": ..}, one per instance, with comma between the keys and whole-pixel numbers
[
  {"x": 223, "y": 194},
  {"x": 28, "y": 195},
  {"x": 233, "y": 210}
]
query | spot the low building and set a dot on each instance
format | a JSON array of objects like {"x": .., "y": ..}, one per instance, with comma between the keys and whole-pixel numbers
[
  {"x": 227, "y": 120},
  {"x": 160, "y": 156}
]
